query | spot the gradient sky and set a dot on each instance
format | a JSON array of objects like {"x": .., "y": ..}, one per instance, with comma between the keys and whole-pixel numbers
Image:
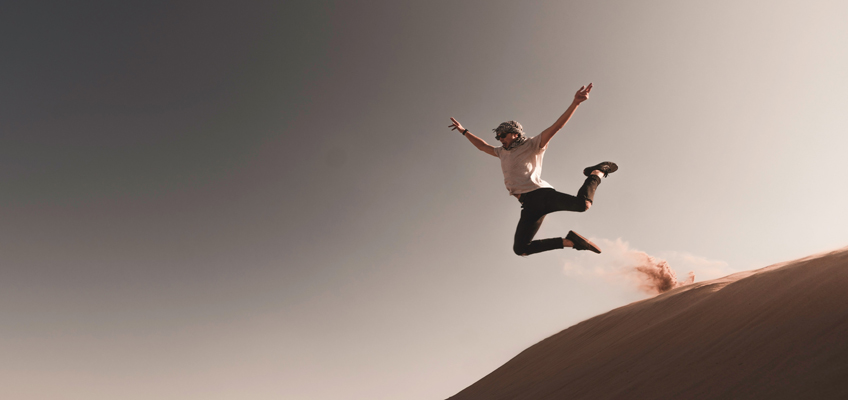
[{"x": 255, "y": 200}]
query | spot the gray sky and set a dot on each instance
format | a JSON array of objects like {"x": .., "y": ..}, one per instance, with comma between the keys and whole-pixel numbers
[{"x": 255, "y": 200}]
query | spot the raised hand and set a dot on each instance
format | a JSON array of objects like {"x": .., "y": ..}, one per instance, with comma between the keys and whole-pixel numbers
[
  {"x": 582, "y": 94},
  {"x": 456, "y": 125}
]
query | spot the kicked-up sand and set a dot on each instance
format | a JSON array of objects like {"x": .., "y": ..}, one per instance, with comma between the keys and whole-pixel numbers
[{"x": 780, "y": 332}]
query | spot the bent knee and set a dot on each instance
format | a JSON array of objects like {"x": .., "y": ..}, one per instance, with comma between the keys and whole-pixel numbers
[
  {"x": 520, "y": 250},
  {"x": 587, "y": 204}
]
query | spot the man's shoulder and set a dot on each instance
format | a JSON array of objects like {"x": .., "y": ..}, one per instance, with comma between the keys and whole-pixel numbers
[{"x": 533, "y": 143}]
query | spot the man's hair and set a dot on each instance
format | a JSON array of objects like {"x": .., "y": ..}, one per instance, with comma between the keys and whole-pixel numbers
[{"x": 508, "y": 127}]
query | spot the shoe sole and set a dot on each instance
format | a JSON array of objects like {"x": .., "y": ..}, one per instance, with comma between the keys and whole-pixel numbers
[
  {"x": 583, "y": 242},
  {"x": 600, "y": 167}
]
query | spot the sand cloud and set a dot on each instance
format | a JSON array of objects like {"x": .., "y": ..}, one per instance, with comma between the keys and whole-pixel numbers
[
  {"x": 704, "y": 268},
  {"x": 652, "y": 275},
  {"x": 655, "y": 275}
]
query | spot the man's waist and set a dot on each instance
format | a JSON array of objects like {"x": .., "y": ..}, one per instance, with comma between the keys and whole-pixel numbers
[
  {"x": 527, "y": 187},
  {"x": 522, "y": 197}
]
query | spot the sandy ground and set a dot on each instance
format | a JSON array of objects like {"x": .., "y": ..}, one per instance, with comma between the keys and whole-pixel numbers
[{"x": 780, "y": 332}]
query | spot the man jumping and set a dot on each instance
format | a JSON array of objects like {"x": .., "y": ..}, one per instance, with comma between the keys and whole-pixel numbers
[{"x": 521, "y": 162}]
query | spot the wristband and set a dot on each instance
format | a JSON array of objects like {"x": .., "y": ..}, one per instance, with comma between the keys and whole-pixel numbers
[{"x": 464, "y": 131}]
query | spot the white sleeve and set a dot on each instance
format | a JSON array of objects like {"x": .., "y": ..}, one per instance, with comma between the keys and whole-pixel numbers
[{"x": 536, "y": 141}]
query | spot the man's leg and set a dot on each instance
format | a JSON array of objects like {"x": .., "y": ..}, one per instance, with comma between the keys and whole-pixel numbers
[
  {"x": 528, "y": 225},
  {"x": 587, "y": 191},
  {"x": 553, "y": 201},
  {"x": 543, "y": 201}
]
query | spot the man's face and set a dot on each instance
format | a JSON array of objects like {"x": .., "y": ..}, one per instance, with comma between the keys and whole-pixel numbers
[{"x": 507, "y": 139}]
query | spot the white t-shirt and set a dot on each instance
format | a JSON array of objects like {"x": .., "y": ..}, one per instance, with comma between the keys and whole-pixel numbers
[{"x": 522, "y": 166}]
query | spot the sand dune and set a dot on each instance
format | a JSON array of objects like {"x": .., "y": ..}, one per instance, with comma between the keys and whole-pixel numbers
[{"x": 780, "y": 332}]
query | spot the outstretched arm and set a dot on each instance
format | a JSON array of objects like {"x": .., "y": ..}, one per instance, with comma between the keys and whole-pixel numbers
[
  {"x": 480, "y": 144},
  {"x": 579, "y": 97}
]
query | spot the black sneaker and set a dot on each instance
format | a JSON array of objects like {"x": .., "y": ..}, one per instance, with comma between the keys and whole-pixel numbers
[
  {"x": 581, "y": 243},
  {"x": 607, "y": 167}
]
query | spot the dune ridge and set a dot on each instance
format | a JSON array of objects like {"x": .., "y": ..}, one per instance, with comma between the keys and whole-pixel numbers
[{"x": 779, "y": 332}]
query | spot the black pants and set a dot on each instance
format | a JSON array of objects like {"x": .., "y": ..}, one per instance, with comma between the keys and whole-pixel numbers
[{"x": 538, "y": 203}]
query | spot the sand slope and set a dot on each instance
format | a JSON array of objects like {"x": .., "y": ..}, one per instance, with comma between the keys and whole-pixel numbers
[{"x": 780, "y": 332}]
